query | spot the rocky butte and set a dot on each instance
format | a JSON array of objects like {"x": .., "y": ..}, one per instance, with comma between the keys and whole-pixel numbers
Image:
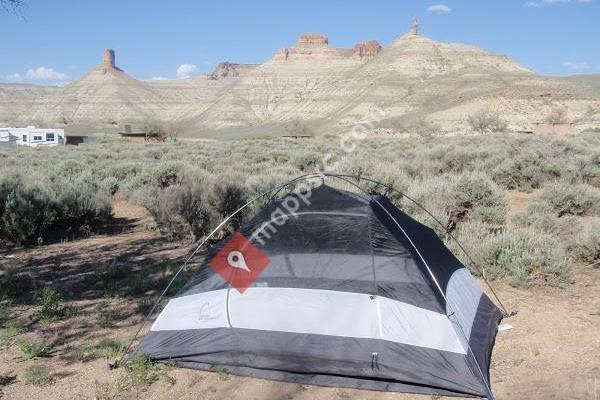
[{"x": 108, "y": 61}]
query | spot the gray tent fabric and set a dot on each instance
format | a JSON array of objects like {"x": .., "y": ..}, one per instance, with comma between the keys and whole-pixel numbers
[{"x": 351, "y": 292}]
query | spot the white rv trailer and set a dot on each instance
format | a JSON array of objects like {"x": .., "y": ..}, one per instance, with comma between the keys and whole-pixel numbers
[{"x": 32, "y": 136}]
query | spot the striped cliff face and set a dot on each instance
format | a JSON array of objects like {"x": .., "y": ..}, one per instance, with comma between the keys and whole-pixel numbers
[{"x": 352, "y": 293}]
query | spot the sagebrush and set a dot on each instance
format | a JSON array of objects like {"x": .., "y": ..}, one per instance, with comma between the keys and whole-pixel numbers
[{"x": 188, "y": 187}]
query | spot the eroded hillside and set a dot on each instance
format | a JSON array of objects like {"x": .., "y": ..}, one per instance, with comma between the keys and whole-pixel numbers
[{"x": 415, "y": 81}]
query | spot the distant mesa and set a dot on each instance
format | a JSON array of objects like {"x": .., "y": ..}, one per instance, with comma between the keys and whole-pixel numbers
[
  {"x": 316, "y": 44},
  {"x": 315, "y": 38}
]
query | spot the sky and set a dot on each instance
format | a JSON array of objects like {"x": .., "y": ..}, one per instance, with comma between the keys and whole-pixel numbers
[{"x": 57, "y": 41}]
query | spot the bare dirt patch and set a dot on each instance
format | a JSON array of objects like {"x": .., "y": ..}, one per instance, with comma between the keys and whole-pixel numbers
[{"x": 519, "y": 201}]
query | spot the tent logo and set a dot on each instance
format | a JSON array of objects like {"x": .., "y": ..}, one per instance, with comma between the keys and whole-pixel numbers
[
  {"x": 239, "y": 262},
  {"x": 205, "y": 312}
]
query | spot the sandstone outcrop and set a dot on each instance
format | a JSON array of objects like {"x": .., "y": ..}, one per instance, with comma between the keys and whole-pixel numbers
[
  {"x": 367, "y": 49},
  {"x": 227, "y": 69}
]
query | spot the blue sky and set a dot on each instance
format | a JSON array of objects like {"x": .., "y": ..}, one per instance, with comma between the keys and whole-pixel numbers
[{"x": 56, "y": 41}]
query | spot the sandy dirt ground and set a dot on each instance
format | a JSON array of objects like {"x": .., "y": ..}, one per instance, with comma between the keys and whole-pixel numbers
[{"x": 551, "y": 352}]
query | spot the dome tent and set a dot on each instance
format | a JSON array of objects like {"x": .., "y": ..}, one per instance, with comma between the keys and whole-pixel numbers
[{"x": 338, "y": 289}]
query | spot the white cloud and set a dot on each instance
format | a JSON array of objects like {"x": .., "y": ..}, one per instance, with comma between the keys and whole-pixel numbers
[
  {"x": 576, "y": 66},
  {"x": 16, "y": 77},
  {"x": 43, "y": 74},
  {"x": 439, "y": 9},
  {"x": 158, "y": 78},
  {"x": 544, "y": 3},
  {"x": 541, "y": 3},
  {"x": 185, "y": 71}
]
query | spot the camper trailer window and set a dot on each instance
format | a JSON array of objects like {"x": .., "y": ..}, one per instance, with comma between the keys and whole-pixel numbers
[
  {"x": 49, "y": 137},
  {"x": 24, "y": 138},
  {"x": 37, "y": 138}
]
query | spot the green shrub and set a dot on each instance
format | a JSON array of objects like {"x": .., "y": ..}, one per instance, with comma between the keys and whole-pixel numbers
[
  {"x": 9, "y": 330},
  {"x": 27, "y": 214},
  {"x": 486, "y": 121},
  {"x": 51, "y": 308},
  {"x": 522, "y": 171},
  {"x": 174, "y": 212},
  {"x": 32, "y": 350},
  {"x": 139, "y": 371},
  {"x": 31, "y": 213},
  {"x": 107, "y": 317},
  {"x": 160, "y": 176},
  {"x": 144, "y": 305},
  {"x": 106, "y": 348},
  {"x": 564, "y": 199},
  {"x": 80, "y": 209},
  {"x": 454, "y": 199},
  {"x": 306, "y": 162},
  {"x": 110, "y": 185},
  {"x": 4, "y": 311},
  {"x": 109, "y": 347},
  {"x": 228, "y": 197},
  {"x": 37, "y": 375},
  {"x": 522, "y": 255},
  {"x": 586, "y": 245},
  {"x": 479, "y": 194},
  {"x": 558, "y": 115},
  {"x": 539, "y": 217},
  {"x": 14, "y": 285},
  {"x": 191, "y": 208},
  {"x": 178, "y": 184},
  {"x": 222, "y": 372}
]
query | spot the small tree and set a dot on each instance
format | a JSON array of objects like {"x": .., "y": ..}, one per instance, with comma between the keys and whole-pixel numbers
[
  {"x": 154, "y": 129},
  {"x": 174, "y": 129},
  {"x": 424, "y": 128},
  {"x": 297, "y": 127},
  {"x": 486, "y": 121}
]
